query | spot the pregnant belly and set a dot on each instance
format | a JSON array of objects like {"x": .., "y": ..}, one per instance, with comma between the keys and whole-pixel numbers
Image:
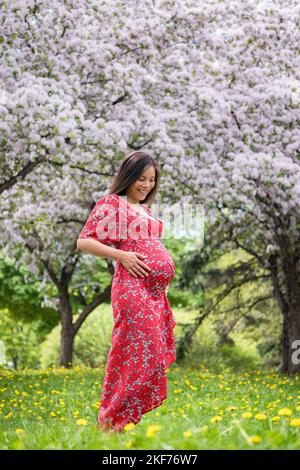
[
  {"x": 162, "y": 268},
  {"x": 159, "y": 260}
]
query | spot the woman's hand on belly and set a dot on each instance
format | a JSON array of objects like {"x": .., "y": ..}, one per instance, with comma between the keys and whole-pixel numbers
[{"x": 131, "y": 261}]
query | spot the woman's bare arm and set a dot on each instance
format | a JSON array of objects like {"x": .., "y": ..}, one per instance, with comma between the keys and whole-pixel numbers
[{"x": 96, "y": 248}]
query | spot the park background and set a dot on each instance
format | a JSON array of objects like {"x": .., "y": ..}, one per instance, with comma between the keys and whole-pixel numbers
[{"x": 211, "y": 90}]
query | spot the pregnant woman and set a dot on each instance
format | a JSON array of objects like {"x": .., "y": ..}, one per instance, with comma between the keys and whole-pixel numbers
[{"x": 143, "y": 344}]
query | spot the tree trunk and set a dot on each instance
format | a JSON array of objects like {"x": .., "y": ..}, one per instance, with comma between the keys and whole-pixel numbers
[
  {"x": 67, "y": 332},
  {"x": 66, "y": 348},
  {"x": 292, "y": 317},
  {"x": 284, "y": 345},
  {"x": 291, "y": 352},
  {"x": 289, "y": 304},
  {"x": 15, "y": 362}
]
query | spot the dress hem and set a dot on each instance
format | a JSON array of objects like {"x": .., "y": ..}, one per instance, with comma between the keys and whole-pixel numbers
[{"x": 144, "y": 411}]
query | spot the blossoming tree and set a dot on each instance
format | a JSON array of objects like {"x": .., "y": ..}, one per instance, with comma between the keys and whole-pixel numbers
[{"x": 211, "y": 89}]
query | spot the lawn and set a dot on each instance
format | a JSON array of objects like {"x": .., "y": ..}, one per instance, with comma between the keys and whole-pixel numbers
[{"x": 57, "y": 409}]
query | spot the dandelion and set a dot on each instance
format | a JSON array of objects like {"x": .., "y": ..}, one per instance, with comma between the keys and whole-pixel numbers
[
  {"x": 187, "y": 433},
  {"x": 19, "y": 431},
  {"x": 295, "y": 422},
  {"x": 215, "y": 419},
  {"x": 260, "y": 416},
  {"x": 231, "y": 408},
  {"x": 152, "y": 430},
  {"x": 275, "y": 419},
  {"x": 81, "y": 422},
  {"x": 52, "y": 413},
  {"x": 129, "y": 426},
  {"x": 285, "y": 412},
  {"x": 247, "y": 415},
  {"x": 255, "y": 439}
]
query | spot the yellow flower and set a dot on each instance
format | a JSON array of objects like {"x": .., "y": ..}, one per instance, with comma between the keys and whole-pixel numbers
[
  {"x": 52, "y": 413},
  {"x": 81, "y": 422},
  {"x": 19, "y": 431},
  {"x": 298, "y": 408},
  {"x": 231, "y": 408},
  {"x": 152, "y": 430},
  {"x": 255, "y": 439},
  {"x": 285, "y": 412},
  {"x": 187, "y": 433},
  {"x": 247, "y": 414},
  {"x": 129, "y": 426},
  {"x": 215, "y": 419},
  {"x": 260, "y": 416},
  {"x": 295, "y": 422},
  {"x": 275, "y": 418}
]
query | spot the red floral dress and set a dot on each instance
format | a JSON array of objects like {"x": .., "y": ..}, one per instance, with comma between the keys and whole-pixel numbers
[{"x": 143, "y": 344}]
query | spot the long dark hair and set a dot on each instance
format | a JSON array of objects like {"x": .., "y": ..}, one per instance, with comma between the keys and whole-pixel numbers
[{"x": 131, "y": 167}]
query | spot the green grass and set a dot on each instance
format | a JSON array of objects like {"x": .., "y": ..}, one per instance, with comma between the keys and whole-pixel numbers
[{"x": 186, "y": 420}]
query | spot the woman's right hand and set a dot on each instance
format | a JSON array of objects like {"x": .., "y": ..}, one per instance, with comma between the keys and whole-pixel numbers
[{"x": 132, "y": 261}]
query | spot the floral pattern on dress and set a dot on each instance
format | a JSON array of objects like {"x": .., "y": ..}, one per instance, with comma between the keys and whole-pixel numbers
[{"x": 143, "y": 343}]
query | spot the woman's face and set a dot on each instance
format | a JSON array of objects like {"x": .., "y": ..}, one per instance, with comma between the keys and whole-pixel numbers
[{"x": 139, "y": 189}]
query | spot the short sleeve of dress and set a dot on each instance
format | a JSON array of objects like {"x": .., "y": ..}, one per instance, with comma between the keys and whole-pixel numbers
[{"x": 103, "y": 222}]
